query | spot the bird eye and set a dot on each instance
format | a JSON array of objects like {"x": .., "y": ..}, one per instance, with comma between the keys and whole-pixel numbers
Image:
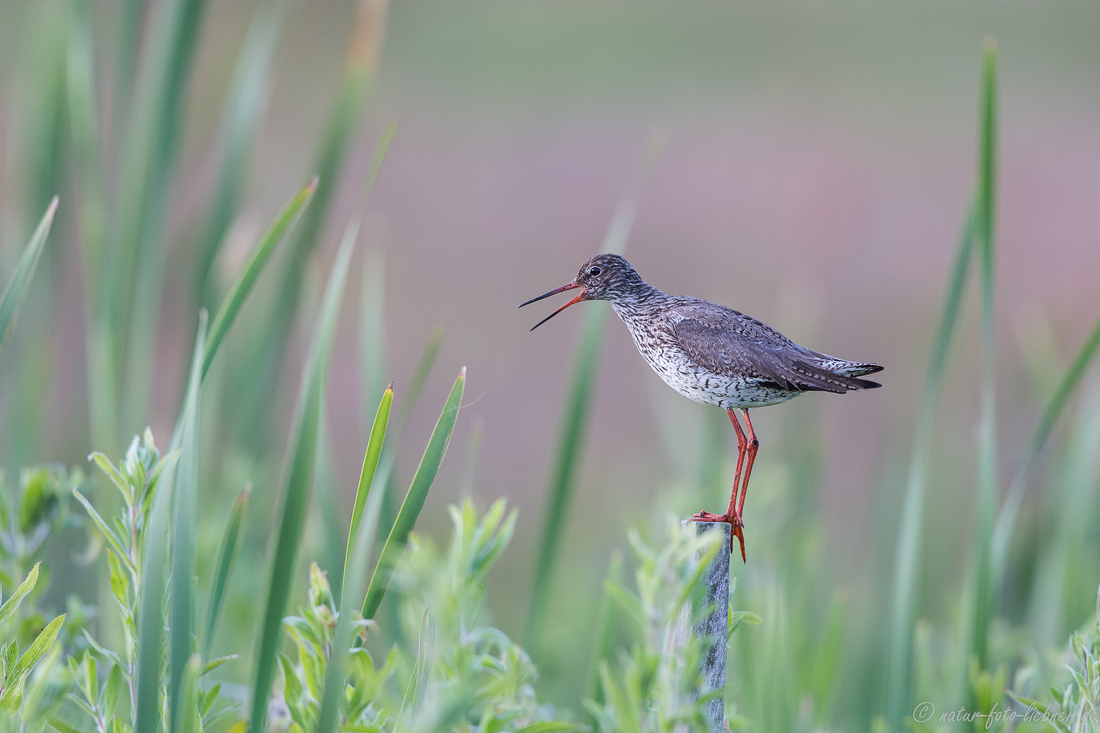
[{"x": 595, "y": 272}]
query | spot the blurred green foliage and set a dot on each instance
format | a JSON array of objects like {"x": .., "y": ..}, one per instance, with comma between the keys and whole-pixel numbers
[{"x": 101, "y": 583}]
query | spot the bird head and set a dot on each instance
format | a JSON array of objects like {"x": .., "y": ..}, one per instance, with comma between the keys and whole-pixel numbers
[{"x": 604, "y": 277}]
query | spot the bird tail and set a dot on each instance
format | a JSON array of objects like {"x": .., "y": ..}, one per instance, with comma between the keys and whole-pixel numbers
[
  {"x": 854, "y": 369},
  {"x": 865, "y": 383},
  {"x": 849, "y": 368},
  {"x": 840, "y": 375}
]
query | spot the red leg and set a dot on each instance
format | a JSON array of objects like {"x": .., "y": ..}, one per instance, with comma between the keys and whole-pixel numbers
[
  {"x": 754, "y": 444},
  {"x": 741, "y": 446},
  {"x": 733, "y": 511}
]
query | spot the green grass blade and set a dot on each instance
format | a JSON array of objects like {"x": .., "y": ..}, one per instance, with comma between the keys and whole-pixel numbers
[
  {"x": 420, "y": 377},
  {"x": 186, "y": 718},
  {"x": 1006, "y": 520},
  {"x": 907, "y": 560},
  {"x": 372, "y": 330},
  {"x": 298, "y": 477},
  {"x": 981, "y": 589},
  {"x": 387, "y": 472},
  {"x": 577, "y": 406},
  {"x": 92, "y": 220},
  {"x": 381, "y": 149},
  {"x": 41, "y": 106},
  {"x": 20, "y": 282},
  {"x": 231, "y": 543},
  {"x": 150, "y": 646},
  {"x": 153, "y": 143},
  {"x": 354, "y": 578},
  {"x": 129, "y": 37},
  {"x": 184, "y": 513},
  {"x": 234, "y": 300},
  {"x": 245, "y": 103},
  {"x": 261, "y": 371},
  {"x": 351, "y": 96},
  {"x": 366, "y": 476},
  {"x": 414, "y": 499}
]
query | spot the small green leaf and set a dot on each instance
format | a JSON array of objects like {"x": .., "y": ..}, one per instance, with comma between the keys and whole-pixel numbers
[
  {"x": 116, "y": 477},
  {"x": 213, "y": 664},
  {"x": 8, "y": 658},
  {"x": 21, "y": 592},
  {"x": 370, "y": 468},
  {"x": 548, "y": 726},
  {"x": 111, "y": 691},
  {"x": 38, "y": 648},
  {"x": 91, "y": 678},
  {"x": 628, "y": 602},
  {"x": 120, "y": 579},
  {"x": 112, "y": 538},
  {"x": 20, "y": 282},
  {"x": 102, "y": 651},
  {"x": 63, "y": 727}
]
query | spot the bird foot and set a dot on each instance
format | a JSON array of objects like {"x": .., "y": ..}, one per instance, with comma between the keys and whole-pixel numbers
[{"x": 734, "y": 521}]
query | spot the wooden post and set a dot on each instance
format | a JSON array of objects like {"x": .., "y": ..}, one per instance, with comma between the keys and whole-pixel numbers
[{"x": 713, "y": 627}]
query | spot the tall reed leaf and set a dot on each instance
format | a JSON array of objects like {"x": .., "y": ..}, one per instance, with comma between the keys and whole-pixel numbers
[
  {"x": 297, "y": 484},
  {"x": 334, "y": 152},
  {"x": 1006, "y": 520},
  {"x": 187, "y": 719},
  {"x": 150, "y": 649},
  {"x": 153, "y": 142},
  {"x": 366, "y": 476},
  {"x": 20, "y": 283},
  {"x": 245, "y": 103},
  {"x": 372, "y": 340},
  {"x": 234, "y": 300},
  {"x": 414, "y": 499},
  {"x": 372, "y": 336},
  {"x": 907, "y": 560},
  {"x": 99, "y": 259},
  {"x": 185, "y": 508},
  {"x": 420, "y": 376},
  {"x": 577, "y": 403},
  {"x": 386, "y": 472},
  {"x": 981, "y": 590},
  {"x": 231, "y": 542},
  {"x": 364, "y": 516}
]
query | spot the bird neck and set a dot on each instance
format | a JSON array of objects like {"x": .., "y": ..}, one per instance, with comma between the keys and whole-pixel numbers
[{"x": 637, "y": 302}]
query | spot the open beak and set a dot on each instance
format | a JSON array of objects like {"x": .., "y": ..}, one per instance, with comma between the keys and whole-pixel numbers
[{"x": 562, "y": 289}]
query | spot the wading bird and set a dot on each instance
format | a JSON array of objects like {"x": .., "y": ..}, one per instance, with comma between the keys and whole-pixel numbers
[{"x": 715, "y": 355}]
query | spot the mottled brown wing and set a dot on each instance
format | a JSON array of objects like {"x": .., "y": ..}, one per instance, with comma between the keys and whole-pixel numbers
[{"x": 737, "y": 354}]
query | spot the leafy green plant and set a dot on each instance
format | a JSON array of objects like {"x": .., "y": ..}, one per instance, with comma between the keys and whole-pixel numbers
[
  {"x": 462, "y": 675},
  {"x": 1075, "y": 707},
  {"x": 654, "y": 686},
  {"x": 16, "y": 667}
]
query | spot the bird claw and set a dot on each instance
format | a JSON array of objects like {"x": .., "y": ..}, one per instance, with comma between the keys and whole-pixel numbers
[{"x": 734, "y": 521}]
